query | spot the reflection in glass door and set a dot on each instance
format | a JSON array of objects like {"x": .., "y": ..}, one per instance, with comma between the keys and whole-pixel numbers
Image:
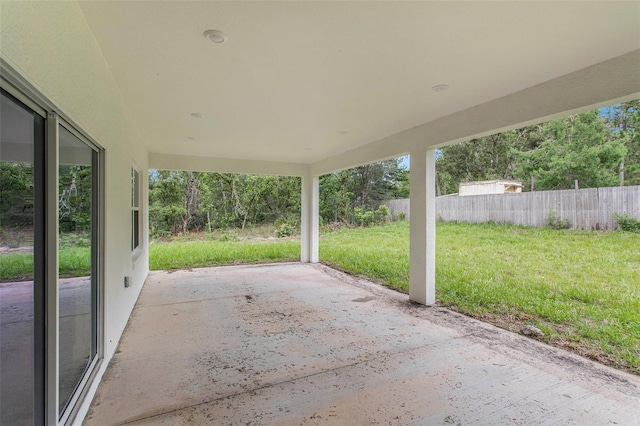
[
  {"x": 49, "y": 270},
  {"x": 77, "y": 281},
  {"x": 21, "y": 283}
]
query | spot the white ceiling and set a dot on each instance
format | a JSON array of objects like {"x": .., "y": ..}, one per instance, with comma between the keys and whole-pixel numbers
[{"x": 294, "y": 76}]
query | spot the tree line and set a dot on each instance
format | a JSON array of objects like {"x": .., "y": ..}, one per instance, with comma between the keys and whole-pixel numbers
[
  {"x": 598, "y": 148},
  {"x": 181, "y": 201},
  {"x": 17, "y": 197}
]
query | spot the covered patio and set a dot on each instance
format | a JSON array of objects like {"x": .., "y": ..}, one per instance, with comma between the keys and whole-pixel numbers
[
  {"x": 301, "y": 89},
  {"x": 305, "y": 344}
]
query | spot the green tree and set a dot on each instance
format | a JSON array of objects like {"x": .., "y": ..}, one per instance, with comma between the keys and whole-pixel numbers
[
  {"x": 579, "y": 147},
  {"x": 336, "y": 198},
  {"x": 16, "y": 194},
  {"x": 74, "y": 204},
  {"x": 487, "y": 158},
  {"x": 363, "y": 187},
  {"x": 624, "y": 120},
  {"x": 166, "y": 209},
  {"x": 186, "y": 201},
  {"x": 582, "y": 147}
]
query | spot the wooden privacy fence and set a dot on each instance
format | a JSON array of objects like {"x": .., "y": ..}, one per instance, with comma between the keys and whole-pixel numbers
[{"x": 584, "y": 208}]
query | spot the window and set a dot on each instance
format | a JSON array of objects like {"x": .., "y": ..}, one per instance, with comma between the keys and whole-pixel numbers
[{"x": 135, "y": 209}]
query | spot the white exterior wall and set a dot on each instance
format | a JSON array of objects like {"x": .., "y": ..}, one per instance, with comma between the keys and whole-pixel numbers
[{"x": 43, "y": 42}]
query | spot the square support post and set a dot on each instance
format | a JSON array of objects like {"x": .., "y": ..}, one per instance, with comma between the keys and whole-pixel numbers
[
  {"x": 422, "y": 246},
  {"x": 310, "y": 221}
]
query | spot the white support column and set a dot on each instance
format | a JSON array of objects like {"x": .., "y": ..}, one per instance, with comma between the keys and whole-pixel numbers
[
  {"x": 422, "y": 258},
  {"x": 310, "y": 223}
]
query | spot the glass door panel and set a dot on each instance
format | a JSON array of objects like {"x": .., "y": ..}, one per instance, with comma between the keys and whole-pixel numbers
[
  {"x": 21, "y": 132},
  {"x": 77, "y": 296}
]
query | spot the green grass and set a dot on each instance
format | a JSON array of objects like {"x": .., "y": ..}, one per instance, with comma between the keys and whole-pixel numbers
[
  {"x": 76, "y": 262},
  {"x": 16, "y": 267},
  {"x": 73, "y": 261},
  {"x": 582, "y": 288},
  {"x": 380, "y": 253},
  {"x": 180, "y": 255}
]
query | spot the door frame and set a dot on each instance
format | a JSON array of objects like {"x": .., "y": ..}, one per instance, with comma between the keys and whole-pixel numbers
[{"x": 46, "y": 309}]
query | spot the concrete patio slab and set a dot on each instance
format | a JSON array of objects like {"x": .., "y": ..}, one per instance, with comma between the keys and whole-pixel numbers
[{"x": 303, "y": 344}]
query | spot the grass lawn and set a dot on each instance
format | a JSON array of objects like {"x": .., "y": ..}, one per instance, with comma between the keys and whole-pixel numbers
[
  {"x": 582, "y": 288},
  {"x": 73, "y": 261},
  {"x": 181, "y": 255}
]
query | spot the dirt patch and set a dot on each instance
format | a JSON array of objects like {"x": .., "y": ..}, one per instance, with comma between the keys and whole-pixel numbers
[
  {"x": 9, "y": 250},
  {"x": 364, "y": 299}
]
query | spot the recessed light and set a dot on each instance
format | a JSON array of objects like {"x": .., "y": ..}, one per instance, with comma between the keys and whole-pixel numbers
[
  {"x": 342, "y": 132},
  {"x": 308, "y": 149},
  {"x": 196, "y": 115},
  {"x": 215, "y": 36},
  {"x": 191, "y": 138},
  {"x": 440, "y": 87}
]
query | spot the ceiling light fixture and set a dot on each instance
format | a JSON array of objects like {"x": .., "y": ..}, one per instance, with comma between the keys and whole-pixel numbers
[
  {"x": 191, "y": 138},
  {"x": 440, "y": 87},
  {"x": 215, "y": 36},
  {"x": 196, "y": 115},
  {"x": 342, "y": 132}
]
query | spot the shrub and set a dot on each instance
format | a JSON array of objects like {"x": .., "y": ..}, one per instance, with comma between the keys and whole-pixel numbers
[
  {"x": 401, "y": 216},
  {"x": 285, "y": 230},
  {"x": 553, "y": 221},
  {"x": 626, "y": 222},
  {"x": 364, "y": 218},
  {"x": 229, "y": 236},
  {"x": 287, "y": 225},
  {"x": 74, "y": 239},
  {"x": 381, "y": 214}
]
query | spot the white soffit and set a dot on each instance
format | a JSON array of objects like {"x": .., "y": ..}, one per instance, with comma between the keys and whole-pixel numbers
[{"x": 293, "y": 77}]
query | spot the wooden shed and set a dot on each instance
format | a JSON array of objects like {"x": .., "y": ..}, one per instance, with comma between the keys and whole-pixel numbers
[{"x": 490, "y": 187}]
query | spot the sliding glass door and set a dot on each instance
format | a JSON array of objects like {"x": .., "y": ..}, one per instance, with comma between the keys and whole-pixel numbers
[
  {"x": 50, "y": 267},
  {"x": 21, "y": 282},
  {"x": 77, "y": 248}
]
